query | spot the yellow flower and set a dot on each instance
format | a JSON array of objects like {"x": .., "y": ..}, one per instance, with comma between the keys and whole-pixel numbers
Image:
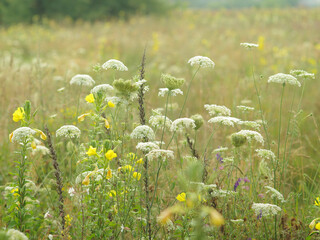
[
  {"x": 136, "y": 175},
  {"x": 111, "y": 104},
  {"x": 109, "y": 174},
  {"x": 216, "y": 218},
  {"x": 15, "y": 192},
  {"x": 312, "y": 224},
  {"x": 68, "y": 220},
  {"x": 42, "y": 135},
  {"x": 92, "y": 151},
  {"x": 128, "y": 168},
  {"x": 132, "y": 156},
  {"x": 112, "y": 193},
  {"x": 81, "y": 117},
  {"x": 317, "y": 202},
  {"x": 90, "y": 98},
  {"x": 86, "y": 180},
  {"x": 181, "y": 197},
  {"x": 18, "y": 114},
  {"x": 106, "y": 124},
  {"x": 10, "y": 136},
  {"x": 318, "y": 226},
  {"x": 140, "y": 161},
  {"x": 33, "y": 145},
  {"x": 110, "y": 155}
]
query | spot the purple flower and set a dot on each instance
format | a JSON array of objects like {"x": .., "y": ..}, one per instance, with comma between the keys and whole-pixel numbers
[
  {"x": 260, "y": 215},
  {"x": 246, "y": 180},
  {"x": 219, "y": 158},
  {"x": 236, "y": 184}
]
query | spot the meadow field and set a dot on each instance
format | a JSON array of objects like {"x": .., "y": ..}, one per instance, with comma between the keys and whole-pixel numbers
[{"x": 251, "y": 172}]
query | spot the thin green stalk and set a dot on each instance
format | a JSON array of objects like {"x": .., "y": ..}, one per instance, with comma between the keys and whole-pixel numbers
[
  {"x": 78, "y": 103},
  {"x": 165, "y": 119}
]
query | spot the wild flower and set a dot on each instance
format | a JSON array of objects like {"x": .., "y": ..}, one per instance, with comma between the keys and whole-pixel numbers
[
  {"x": 222, "y": 193},
  {"x": 264, "y": 170},
  {"x": 68, "y": 131},
  {"x": 147, "y": 146},
  {"x": 92, "y": 151},
  {"x": 18, "y": 115},
  {"x": 237, "y": 184},
  {"x": 114, "y": 64},
  {"x": 157, "y": 121},
  {"x": 21, "y": 135},
  {"x": 182, "y": 124},
  {"x": 110, "y": 154},
  {"x": 228, "y": 121},
  {"x": 181, "y": 197},
  {"x": 302, "y": 73},
  {"x": 266, "y": 209},
  {"x": 249, "y": 45},
  {"x": 142, "y": 132},
  {"x": 275, "y": 193},
  {"x": 14, "y": 234},
  {"x": 112, "y": 193},
  {"x": 198, "y": 120},
  {"x": 82, "y": 117},
  {"x": 284, "y": 79},
  {"x": 203, "y": 62},
  {"x": 237, "y": 221},
  {"x": 217, "y": 110},
  {"x": 82, "y": 80},
  {"x": 250, "y": 135},
  {"x": 171, "y": 82},
  {"x": 40, "y": 149},
  {"x": 251, "y": 124},
  {"x": 266, "y": 154},
  {"x": 71, "y": 191},
  {"x": 115, "y": 100},
  {"x": 136, "y": 175},
  {"x": 219, "y": 150},
  {"x": 173, "y": 93},
  {"x": 160, "y": 154},
  {"x": 317, "y": 202},
  {"x": 90, "y": 98},
  {"x": 245, "y": 109},
  {"x": 102, "y": 88}
]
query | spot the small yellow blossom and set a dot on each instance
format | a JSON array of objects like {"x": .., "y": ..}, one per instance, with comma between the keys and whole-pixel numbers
[
  {"x": 140, "y": 161},
  {"x": 312, "y": 224},
  {"x": 86, "y": 180},
  {"x": 92, "y": 151},
  {"x": 90, "y": 98},
  {"x": 110, "y": 155},
  {"x": 317, "y": 202},
  {"x": 33, "y": 145},
  {"x": 42, "y": 135},
  {"x": 109, "y": 174},
  {"x": 128, "y": 168},
  {"x": 317, "y": 226},
  {"x": 111, "y": 104},
  {"x": 106, "y": 124},
  {"x": 68, "y": 220},
  {"x": 181, "y": 197},
  {"x": 82, "y": 117},
  {"x": 10, "y": 136},
  {"x": 18, "y": 114},
  {"x": 137, "y": 175},
  {"x": 131, "y": 156},
  {"x": 15, "y": 192},
  {"x": 112, "y": 193}
]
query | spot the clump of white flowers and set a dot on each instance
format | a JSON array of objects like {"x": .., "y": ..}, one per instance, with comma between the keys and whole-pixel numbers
[
  {"x": 245, "y": 109},
  {"x": 40, "y": 149},
  {"x": 160, "y": 154},
  {"x": 249, "y": 45},
  {"x": 284, "y": 79},
  {"x": 217, "y": 110},
  {"x": 157, "y": 121},
  {"x": 237, "y": 221},
  {"x": 203, "y": 62},
  {"x": 302, "y": 73},
  {"x": 222, "y": 193},
  {"x": 22, "y": 134},
  {"x": 14, "y": 234},
  {"x": 182, "y": 124},
  {"x": 171, "y": 82},
  {"x": 142, "y": 132},
  {"x": 265, "y": 209},
  {"x": 275, "y": 193},
  {"x": 266, "y": 154},
  {"x": 250, "y": 135},
  {"x": 114, "y": 64},
  {"x": 220, "y": 150},
  {"x": 102, "y": 88},
  {"x": 228, "y": 121},
  {"x": 251, "y": 124},
  {"x": 173, "y": 93},
  {"x": 147, "y": 146},
  {"x": 82, "y": 80},
  {"x": 69, "y": 131}
]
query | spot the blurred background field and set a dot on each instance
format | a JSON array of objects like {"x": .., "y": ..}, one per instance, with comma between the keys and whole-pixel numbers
[{"x": 38, "y": 60}]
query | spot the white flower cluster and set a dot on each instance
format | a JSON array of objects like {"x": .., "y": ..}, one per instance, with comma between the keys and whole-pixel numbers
[
  {"x": 284, "y": 79},
  {"x": 265, "y": 209},
  {"x": 173, "y": 93},
  {"x": 114, "y": 99},
  {"x": 251, "y": 124},
  {"x": 22, "y": 134},
  {"x": 203, "y": 62},
  {"x": 41, "y": 150},
  {"x": 141, "y": 132},
  {"x": 160, "y": 154},
  {"x": 222, "y": 193},
  {"x": 103, "y": 88},
  {"x": 220, "y": 150},
  {"x": 114, "y": 64},
  {"x": 181, "y": 124},
  {"x": 302, "y": 73},
  {"x": 243, "y": 108},
  {"x": 275, "y": 193},
  {"x": 147, "y": 146},
  {"x": 157, "y": 121},
  {"x": 228, "y": 121},
  {"x": 16, "y": 235},
  {"x": 249, "y": 45},
  {"x": 217, "y": 110},
  {"x": 82, "y": 80},
  {"x": 237, "y": 221},
  {"x": 251, "y": 135},
  {"x": 266, "y": 154},
  {"x": 69, "y": 131}
]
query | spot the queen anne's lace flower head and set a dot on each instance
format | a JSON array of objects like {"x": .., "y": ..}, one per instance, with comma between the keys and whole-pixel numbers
[
  {"x": 141, "y": 132},
  {"x": 265, "y": 209},
  {"x": 114, "y": 64},
  {"x": 266, "y": 154},
  {"x": 40, "y": 149},
  {"x": 182, "y": 124},
  {"x": 160, "y": 154},
  {"x": 171, "y": 82},
  {"x": 69, "y": 131},
  {"x": 243, "y": 108},
  {"x": 82, "y": 80},
  {"x": 147, "y": 146},
  {"x": 217, "y": 110},
  {"x": 249, "y": 135},
  {"x": 220, "y": 150},
  {"x": 302, "y": 73},
  {"x": 157, "y": 121},
  {"x": 228, "y": 121},
  {"x": 102, "y": 88},
  {"x": 222, "y": 193},
  {"x": 22, "y": 134},
  {"x": 203, "y": 62},
  {"x": 173, "y": 93},
  {"x": 251, "y": 124},
  {"x": 284, "y": 79},
  {"x": 275, "y": 193},
  {"x": 16, "y": 235},
  {"x": 249, "y": 45}
]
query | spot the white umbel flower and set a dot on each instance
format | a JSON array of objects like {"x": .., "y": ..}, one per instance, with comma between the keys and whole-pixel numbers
[
  {"x": 266, "y": 154},
  {"x": 141, "y": 132},
  {"x": 251, "y": 124},
  {"x": 265, "y": 209},
  {"x": 82, "y": 80},
  {"x": 69, "y": 131},
  {"x": 228, "y": 121},
  {"x": 173, "y": 93},
  {"x": 103, "y": 88},
  {"x": 275, "y": 193},
  {"x": 220, "y": 150},
  {"x": 181, "y": 124},
  {"x": 284, "y": 79},
  {"x": 160, "y": 154},
  {"x": 222, "y": 193},
  {"x": 147, "y": 146},
  {"x": 303, "y": 74},
  {"x": 249, "y": 45},
  {"x": 203, "y": 62},
  {"x": 157, "y": 121},
  {"x": 114, "y": 64},
  {"x": 41, "y": 150},
  {"x": 249, "y": 134},
  {"x": 244, "y": 108},
  {"x": 22, "y": 134},
  {"x": 16, "y": 235},
  {"x": 217, "y": 110}
]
